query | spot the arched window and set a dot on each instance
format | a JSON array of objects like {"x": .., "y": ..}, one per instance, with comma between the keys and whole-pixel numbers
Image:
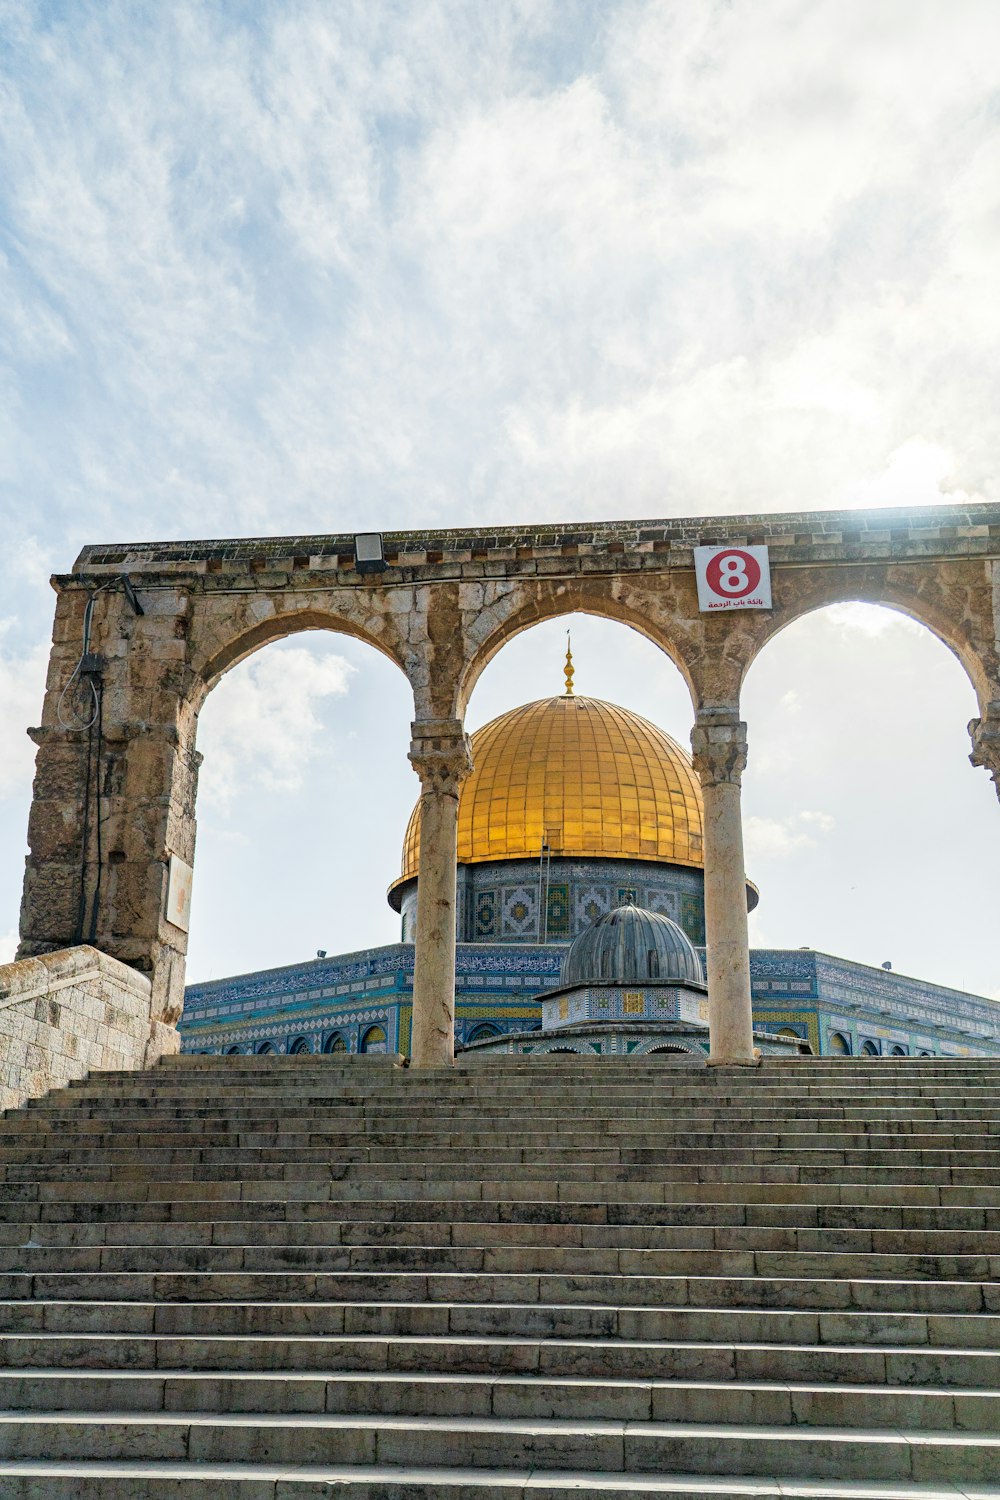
[
  {"x": 838, "y": 1044},
  {"x": 790, "y": 1031},
  {"x": 482, "y": 1031},
  {"x": 373, "y": 1040},
  {"x": 554, "y": 1050},
  {"x": 335, "y": 1043},
  {"x": 673, "y": 1051},
  {"x": 300, "y": 1044},
  {"x": 265, "y": 1047},
  {"x": 232, "y": 1051},
  {"x": 897, "y": 1051},
  {"x": 869, "y": 1049},
  {"x": 925, "y": 1054}
]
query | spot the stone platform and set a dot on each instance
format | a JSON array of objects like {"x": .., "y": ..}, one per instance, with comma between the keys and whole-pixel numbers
[{"x": 291, "y": 1277}]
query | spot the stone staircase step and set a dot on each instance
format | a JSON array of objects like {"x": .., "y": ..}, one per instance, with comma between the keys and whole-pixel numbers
[
  {"x": 625, "y": 1290},
  {"x": 40, "y": 1480},
  {"x": 298, "y": 1238},
  {"x": 613, "y": 1445},
  {"x": 681, "y": 1342},
  {"x": 498, "y": 1395},
  {"x": 545, "y": 1260}
]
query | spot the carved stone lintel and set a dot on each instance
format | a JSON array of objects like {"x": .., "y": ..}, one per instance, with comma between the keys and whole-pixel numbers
[
  {"x": 719, "y": 747},
  {"x": 441, "y": 755},
  {"x": 985, "y": 734}
]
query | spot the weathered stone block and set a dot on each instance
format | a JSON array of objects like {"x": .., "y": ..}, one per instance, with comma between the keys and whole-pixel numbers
[{"x": 101, "y": 1020}]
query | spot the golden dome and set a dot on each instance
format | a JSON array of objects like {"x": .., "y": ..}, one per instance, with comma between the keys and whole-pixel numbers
[{"x": 589, "y": 778}]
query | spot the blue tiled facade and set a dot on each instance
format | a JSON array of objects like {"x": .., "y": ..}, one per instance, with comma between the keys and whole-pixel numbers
[{"x": 833, "y": 1003}]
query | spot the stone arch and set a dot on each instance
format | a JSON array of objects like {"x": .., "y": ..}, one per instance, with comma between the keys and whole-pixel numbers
[
  {"x": 244, "y": 640},
  {"x": 514, "y": 613},
  {"x": 942, "y": 616},
  {"x": 210, "y": 666},
  {"x": 300, "y": 1044}
]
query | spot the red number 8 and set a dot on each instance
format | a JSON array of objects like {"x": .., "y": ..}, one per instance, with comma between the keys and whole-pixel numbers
[{"x": 733, "y": 574}]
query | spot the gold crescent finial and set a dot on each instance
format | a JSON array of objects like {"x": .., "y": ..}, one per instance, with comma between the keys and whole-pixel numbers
[{"x": 568, "y": 669}]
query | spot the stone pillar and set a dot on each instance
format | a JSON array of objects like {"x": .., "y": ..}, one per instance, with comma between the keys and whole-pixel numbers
[
  {"x": 985, "y": 734},
  {"x": 719, "y": 744},
  {"x": 114, "y": 799},
  {"x": 441, "y": 758}
]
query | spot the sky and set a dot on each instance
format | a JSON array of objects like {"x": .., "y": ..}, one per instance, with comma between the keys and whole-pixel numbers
[{"x": 277, "y": 268}]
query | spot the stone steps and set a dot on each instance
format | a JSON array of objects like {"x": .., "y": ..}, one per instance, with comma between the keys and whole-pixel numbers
[{"x": 273, "y": 1276}]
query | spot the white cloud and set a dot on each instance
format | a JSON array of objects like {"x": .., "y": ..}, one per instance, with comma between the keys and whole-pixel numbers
[
  {"x": 778, "y": 838},
  {"x": 22, "y": 688},
  {"x": 8, "y": 945},
  {"x": 261, "y": 727},
  {"x": 279, "y": 269}
]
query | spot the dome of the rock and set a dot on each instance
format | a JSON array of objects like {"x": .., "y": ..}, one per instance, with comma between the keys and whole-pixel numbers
[
  {"x": 585, "y": 778},
  {"x": 631, "y": 946}
]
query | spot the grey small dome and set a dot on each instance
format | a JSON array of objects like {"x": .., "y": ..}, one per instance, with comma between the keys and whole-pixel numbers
[{"x": 631, "y": 946}]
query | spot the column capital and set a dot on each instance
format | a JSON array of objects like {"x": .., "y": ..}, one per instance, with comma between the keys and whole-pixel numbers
[
  {"x": 985, "y": 733},
  {"x": 441, "y": 754},
  {"x": 719, "y": 746}
]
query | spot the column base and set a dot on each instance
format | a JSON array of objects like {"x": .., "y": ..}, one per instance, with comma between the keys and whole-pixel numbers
[{"x": 735, "y": 1062}]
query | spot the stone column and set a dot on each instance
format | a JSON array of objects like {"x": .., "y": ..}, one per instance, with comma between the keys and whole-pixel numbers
[
  {"x": 113, "y": 801},
  {"x": 719, "y": 744},
  {"x": 441, "y": 757},
  {"x": 985, "y": 734}
]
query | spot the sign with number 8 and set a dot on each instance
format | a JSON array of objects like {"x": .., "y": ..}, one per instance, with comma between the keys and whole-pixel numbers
[{"x": 732, "y": 578}]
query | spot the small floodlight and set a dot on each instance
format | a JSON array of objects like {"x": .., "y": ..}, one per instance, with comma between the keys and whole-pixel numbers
[
  {"x": 369, "y": 556},
  {"x": 320, "y": 952},
  {"x": 887, "y": 965}
]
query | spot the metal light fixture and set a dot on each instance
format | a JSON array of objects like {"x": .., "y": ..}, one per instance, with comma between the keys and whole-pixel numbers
[{"x": 369, "y": 555}]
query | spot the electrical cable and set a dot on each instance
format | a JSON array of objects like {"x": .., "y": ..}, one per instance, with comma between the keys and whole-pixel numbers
[
  {"x": 79, "y": 721},
  {"x": 81, "y": 911},
  {"x": 95, "y": 905}
]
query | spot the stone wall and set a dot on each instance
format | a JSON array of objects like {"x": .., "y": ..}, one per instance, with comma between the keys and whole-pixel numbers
[{"x": 64, "y": 1014}]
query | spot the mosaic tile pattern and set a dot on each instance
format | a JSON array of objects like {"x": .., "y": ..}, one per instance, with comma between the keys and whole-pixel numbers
[{"x": 498, "y": 982}]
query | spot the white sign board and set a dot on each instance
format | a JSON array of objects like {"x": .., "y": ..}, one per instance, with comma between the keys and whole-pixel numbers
[
  {"x": 732, "y": 577},
  {"x": 179, "y": 893}
]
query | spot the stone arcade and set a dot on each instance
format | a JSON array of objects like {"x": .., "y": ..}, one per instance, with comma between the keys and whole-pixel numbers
[
  {"x": 274, "y": 1278},
  {"x": 446, "y": 604}
]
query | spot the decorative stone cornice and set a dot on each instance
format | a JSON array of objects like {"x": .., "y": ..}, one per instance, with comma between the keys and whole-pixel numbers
[
  {"x": 441, "y": 755},
  {"x": 719, "y": 747},
  {"x": 985, "y": 733}
]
